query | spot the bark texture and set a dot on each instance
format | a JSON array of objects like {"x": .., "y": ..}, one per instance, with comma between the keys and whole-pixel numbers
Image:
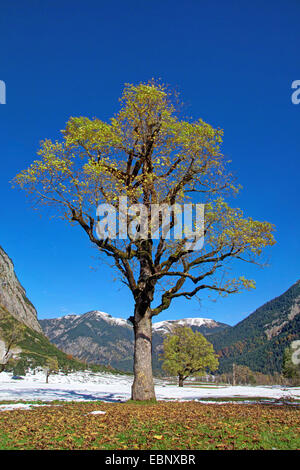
[
  {"x": 143, "y": 384},
  {"x": 180, "y": 381}
]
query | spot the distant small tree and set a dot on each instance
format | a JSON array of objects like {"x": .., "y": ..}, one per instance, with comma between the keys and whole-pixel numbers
[
  {"x": 244, "y": 375},
  {"x": 51, "y": 366},
  {"x": 11, "y": 333},
  {"x": 19, "y": 367},
  {"x": 290, "y": 363},
  {"x": 187, "y": 354}
]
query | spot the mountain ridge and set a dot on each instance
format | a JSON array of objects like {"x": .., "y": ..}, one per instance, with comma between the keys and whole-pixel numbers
[
  {"x": 98, "y": 337},
  {"x": 259, "y": 340}
]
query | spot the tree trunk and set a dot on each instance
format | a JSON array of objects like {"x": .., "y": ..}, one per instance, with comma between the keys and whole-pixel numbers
[
  {"x": 180, "y": 381},
  {"x": 143, "y": 385},
  {"x": 233, "y": 375}
]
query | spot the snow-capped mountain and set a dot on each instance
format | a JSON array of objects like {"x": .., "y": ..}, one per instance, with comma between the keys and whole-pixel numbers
[
  {"x": 167, "y": 325},
  {"x": 110, "y": 319},
  {"x": 100, "y": 338}
]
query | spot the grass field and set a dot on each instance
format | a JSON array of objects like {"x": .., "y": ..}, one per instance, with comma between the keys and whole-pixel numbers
[{"x": 162, "y": 425}]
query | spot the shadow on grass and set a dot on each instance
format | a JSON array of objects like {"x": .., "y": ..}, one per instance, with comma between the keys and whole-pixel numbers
[{"x": 46, "y": 395}]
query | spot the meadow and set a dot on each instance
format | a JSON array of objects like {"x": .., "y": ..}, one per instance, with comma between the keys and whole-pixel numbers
[{"x": 156, "y": 426}]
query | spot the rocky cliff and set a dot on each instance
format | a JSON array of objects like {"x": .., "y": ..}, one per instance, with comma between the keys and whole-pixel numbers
[{"x": 13, "y": 296}]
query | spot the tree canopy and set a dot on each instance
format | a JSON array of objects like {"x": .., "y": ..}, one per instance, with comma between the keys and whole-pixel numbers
[{"x": 149, "y": 155}]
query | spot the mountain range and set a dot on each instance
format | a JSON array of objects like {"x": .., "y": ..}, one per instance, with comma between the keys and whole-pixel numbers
[
  {"x": 96, "y": 337},
  {"x": 99, "y": 338},
  {"x": 258, "y": 341}
]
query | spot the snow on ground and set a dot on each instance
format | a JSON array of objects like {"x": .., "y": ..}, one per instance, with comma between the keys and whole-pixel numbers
[
  {"x": 83, "y": 386},
  {"x": 18, "y": 406}
]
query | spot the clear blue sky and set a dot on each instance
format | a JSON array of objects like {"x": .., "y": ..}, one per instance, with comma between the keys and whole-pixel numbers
[{"x": 233, "y": 62}]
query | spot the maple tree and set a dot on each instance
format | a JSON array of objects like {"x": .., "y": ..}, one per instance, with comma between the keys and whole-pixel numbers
[
  {"x": 149, "y": 155},
  {"x": 187, "y": 353}
]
